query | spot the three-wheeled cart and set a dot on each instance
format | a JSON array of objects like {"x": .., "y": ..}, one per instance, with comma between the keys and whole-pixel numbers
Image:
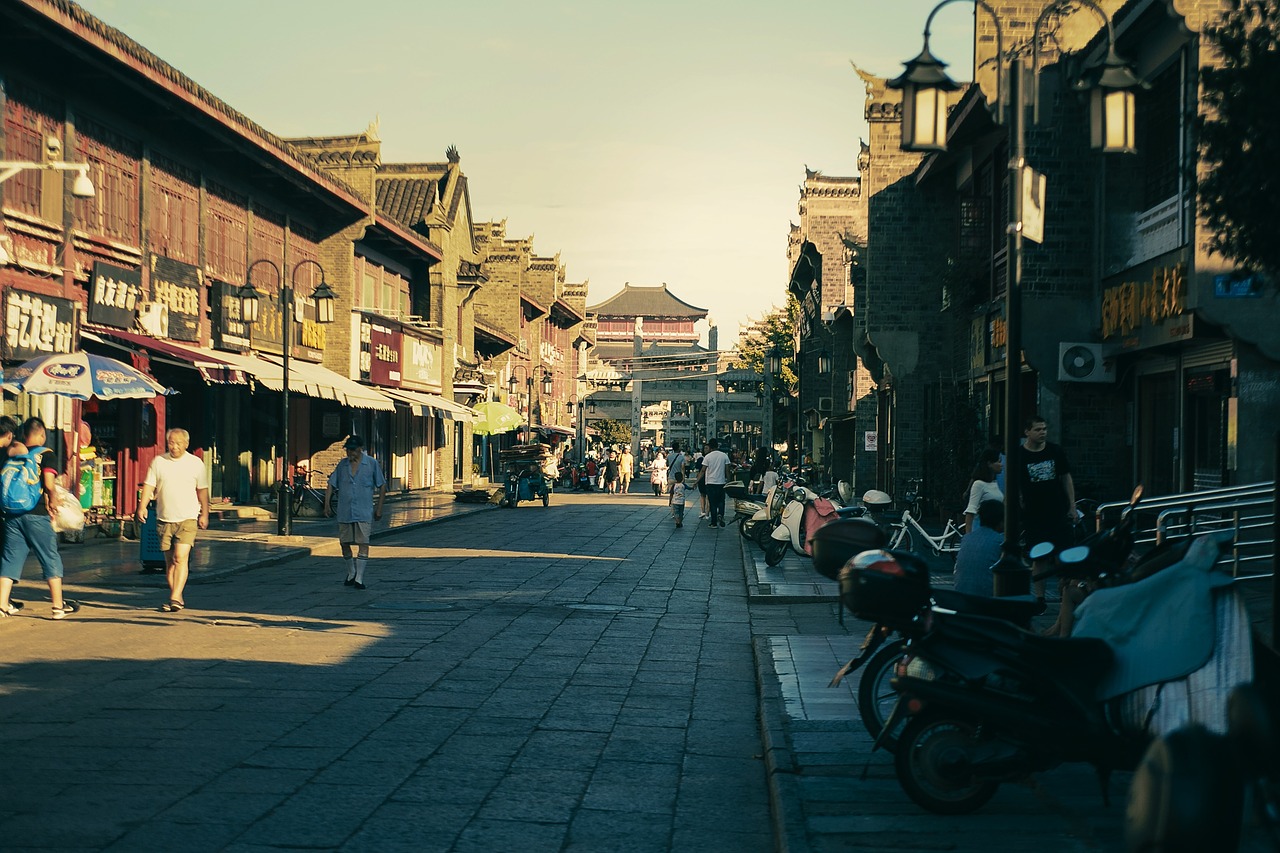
[{"x": 524, "y": 475}]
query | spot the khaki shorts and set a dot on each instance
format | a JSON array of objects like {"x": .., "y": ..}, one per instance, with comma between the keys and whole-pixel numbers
[
  {"x": 182, "y": 532},
  {"x": 354, "y": 533}
]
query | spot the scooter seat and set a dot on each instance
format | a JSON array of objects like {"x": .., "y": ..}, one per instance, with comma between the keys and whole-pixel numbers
[
  {"x": 1018, "y": 609},
  {"x": 851, "y": 511}
]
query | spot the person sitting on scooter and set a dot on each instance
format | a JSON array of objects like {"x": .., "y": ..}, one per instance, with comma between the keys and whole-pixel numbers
[{"x": 980, "y": 550}]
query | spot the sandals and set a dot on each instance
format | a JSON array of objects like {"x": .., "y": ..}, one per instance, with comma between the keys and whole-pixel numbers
[{"x": 173, "y": 606}]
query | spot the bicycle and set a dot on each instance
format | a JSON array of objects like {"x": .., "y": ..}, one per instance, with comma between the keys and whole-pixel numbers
[
  {"x": 906, "y": 531},
  {"x": 306, "y": 497}
]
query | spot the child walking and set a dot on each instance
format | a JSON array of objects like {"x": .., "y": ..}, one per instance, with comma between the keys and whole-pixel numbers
[{"x": 676, "y": 501}]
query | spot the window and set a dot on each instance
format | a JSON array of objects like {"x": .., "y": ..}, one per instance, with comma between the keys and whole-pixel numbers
[
  {"x": 174, "y": 211},
  {"x": 29, "y": 117},
  {"x": 226, "y": 234},
  {"x": 1158, "y": 126},
  {"x": 116, "y": 171}
]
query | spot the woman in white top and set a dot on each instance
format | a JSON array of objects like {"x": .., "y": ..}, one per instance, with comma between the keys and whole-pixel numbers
[
  {"x": 983, "y": 487},
  {"x": 658, "y": 473}
]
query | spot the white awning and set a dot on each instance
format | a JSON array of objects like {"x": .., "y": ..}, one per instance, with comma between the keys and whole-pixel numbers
[
  {"x": 428, "y": 405},
  {"x": 312, "y": 380}
]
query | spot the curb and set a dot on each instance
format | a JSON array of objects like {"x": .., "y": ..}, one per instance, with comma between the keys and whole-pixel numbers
[{"x": 785, "y": 803}]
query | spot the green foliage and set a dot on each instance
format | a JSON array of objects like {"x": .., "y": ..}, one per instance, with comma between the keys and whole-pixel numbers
[
  {"x": 780, "y": 334},
  {"x": 1239, "y": 136},
  {"x": 613, "y": 431}
]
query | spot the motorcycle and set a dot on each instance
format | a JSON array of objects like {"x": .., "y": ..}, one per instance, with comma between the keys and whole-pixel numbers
[
  {"x": 765, "y": 519},
  {"x": 987, "y": 702}
]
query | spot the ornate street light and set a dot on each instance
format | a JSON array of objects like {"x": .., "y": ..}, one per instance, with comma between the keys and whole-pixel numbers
[
  {"x": 324, "y": 297},
  {"x": 924, "y": 85}
]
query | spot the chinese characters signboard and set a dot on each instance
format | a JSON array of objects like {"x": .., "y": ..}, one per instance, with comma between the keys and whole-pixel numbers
[
  {"x": 37, "y": 325},
  {"x": 177, "y": 286},
  {"x": 114, "y": 295}
]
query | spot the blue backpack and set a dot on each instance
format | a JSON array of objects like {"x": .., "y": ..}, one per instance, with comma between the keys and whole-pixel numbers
[{"x": 20, "y": 481}]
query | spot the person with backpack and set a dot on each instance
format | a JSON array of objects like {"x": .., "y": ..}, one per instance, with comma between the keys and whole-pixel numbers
[{"x": 27, "y": 493}]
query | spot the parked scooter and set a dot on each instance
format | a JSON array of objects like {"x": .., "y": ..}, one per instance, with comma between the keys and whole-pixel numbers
[
  {"x": 745, "y": 506},
  {"x": 766, "y": 519},
  {"x": 804, "y": 513},
  {"x": 987, "y": 702}
]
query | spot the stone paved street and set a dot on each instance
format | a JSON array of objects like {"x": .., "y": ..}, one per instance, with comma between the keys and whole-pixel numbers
[
  {"x": 572, "y": 678},
  {"x": 582, "y": 677}
]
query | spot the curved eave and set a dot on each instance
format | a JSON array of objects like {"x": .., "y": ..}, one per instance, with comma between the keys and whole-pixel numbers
[
  {"x": 532, "y": 308},
  {"x": 563, "y": 313},
  {"x": 409, "y": 237}
]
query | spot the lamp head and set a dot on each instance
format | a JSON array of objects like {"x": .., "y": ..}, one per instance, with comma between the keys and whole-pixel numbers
[
  {"x": 1112, "y": 86},
  {"x": 82, "y": 187},
  {"x": 325, "y": 298},
  {"x": 924, "y": 85}
]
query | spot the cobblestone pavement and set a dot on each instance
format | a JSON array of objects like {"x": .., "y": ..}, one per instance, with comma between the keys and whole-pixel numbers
[
  {"x": 571, "y": 678},
  {"x": 581, "y": 677}
]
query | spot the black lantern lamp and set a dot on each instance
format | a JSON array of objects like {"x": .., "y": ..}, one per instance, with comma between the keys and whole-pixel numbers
[
  {"x": 1111, "y": 85},
  {"x": 547, "y": 386},
  {"x": 924, "y": 86}
]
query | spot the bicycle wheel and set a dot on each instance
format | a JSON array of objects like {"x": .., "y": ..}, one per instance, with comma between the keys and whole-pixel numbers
[
  {"x": 902, "y": 540},
  {"x": 876, "y": 696}
]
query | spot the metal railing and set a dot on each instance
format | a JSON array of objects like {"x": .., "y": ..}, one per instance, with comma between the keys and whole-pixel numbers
[{"x": 1247, "y": 511}]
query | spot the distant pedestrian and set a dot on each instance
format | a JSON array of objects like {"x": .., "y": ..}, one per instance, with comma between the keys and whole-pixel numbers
[
  {"x": 983, "y": 487},
  {"x": 180, "y": 485},
  {"x": 658, "y": 473},
  {"x": 611, "y": 472},
  {"x": 626, "y": 469},
  {"x": 8, "y": 426},
  {"x": 698, "y": 473},
  {"x": 980, "y": 549},
  {"x": 35, "y": 469},
  {"x": 715, "y": 472},
  {"x": 769, "y": 478},
  {"x": 680, "y": 492},
  {"x": 356, "y": 480},
  {"x": 677, "y": 463}
]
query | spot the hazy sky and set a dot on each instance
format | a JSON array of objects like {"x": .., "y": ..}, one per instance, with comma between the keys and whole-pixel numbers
[{"x": 645, "y": 142}]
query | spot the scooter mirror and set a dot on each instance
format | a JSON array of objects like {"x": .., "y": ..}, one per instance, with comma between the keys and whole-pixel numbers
[
  {"x": 1042, "y": 550},
  {"x": 1071, "y": 556}
]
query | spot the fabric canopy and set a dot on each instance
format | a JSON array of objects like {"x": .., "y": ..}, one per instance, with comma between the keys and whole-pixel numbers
[
  {"x": 312, "y": 380},
  {"x": 427, "y": 405},
  {"x": 213, "y": 367}
]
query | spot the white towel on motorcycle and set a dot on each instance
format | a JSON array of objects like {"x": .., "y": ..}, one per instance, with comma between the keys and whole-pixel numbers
[{"x": 1180, "y": 625}]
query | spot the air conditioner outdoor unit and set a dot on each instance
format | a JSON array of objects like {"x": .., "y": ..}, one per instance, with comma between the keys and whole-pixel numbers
[
  {"x": 1083, "y": 362},
  {"x": 825, "y": 404},
  {"x": 153, "y": 318}
]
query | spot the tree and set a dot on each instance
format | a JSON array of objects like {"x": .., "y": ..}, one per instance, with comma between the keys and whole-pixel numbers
[
  {"x": 779, "y": 333},
  {"x": 1239, "y": 140},
  {"x": 613, "y": 431}
]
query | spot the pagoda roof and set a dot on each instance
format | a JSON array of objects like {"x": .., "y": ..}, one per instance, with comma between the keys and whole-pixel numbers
[{"x": 634, "y": 301}]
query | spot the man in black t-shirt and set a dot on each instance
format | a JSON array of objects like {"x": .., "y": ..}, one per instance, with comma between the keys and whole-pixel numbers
[{"x": 1048, "y": 494}]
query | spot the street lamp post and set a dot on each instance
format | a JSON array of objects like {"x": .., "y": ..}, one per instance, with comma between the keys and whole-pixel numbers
[
  {"x": 324, "y": 298},
  {"x": 772, "y": 367},
  {"x": 924, "y": 85},
  {"x": 547, "y": 388}
]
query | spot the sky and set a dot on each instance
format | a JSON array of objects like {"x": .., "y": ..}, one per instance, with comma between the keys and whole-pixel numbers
[{"x": 649, "y": 142}]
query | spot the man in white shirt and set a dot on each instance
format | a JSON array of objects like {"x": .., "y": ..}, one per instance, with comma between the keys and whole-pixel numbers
[
  {"x": 715, "y": 465},
  {"x": 180, "y": 485}
]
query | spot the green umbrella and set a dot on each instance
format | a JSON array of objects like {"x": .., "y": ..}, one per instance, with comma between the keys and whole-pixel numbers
[{"x": 494, "y": 417}]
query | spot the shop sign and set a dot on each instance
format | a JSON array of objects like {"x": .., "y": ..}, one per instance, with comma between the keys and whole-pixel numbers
[
  {"x": 870, "y": 441},
  {"x": 308, "y": 337},
  {"x": 1132, "y": 306},
  {"x": 37, "y": 325},
  {"x": 380, "y": 352},
  {"x": 230, "y": 332},
  {"x": 114, "y": 295},
  {"x": 177, "y": 286},
  {"x": 1237, "y": 286},
  {"x": 550, "y": 353},
  {"x": 421, "y": 366}
]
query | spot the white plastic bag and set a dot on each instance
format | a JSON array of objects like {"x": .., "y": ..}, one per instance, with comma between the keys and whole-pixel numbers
[{"x": 68, "y": 515}]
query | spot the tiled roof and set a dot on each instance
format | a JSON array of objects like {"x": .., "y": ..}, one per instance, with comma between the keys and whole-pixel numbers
[
  {"x": 406, "y": 200},
  {"x": 646, "y": 302}
]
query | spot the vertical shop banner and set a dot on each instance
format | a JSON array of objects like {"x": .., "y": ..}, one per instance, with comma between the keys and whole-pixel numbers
[
  {"x": 115, "y": 293},
  {"x": 421, "y": 367},
  {"x": 229, "y": 331},
  {"x": 177, "y": 286},
  {"x": 37, "y": 325},
  {"x": 384, "y": 354}
]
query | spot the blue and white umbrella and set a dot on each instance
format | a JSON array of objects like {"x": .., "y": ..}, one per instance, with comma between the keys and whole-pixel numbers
[{"x": 80, "y": 375}]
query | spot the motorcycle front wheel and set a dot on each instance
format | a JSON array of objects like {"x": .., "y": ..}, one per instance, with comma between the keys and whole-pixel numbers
[
  {"x": 933, "y": 753},
  {"x": 775, "y": 551},
  {"x": 876, "y": 696},
  {"x": 761, "y": 534},
  {"x": 744, "y": 529}
]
